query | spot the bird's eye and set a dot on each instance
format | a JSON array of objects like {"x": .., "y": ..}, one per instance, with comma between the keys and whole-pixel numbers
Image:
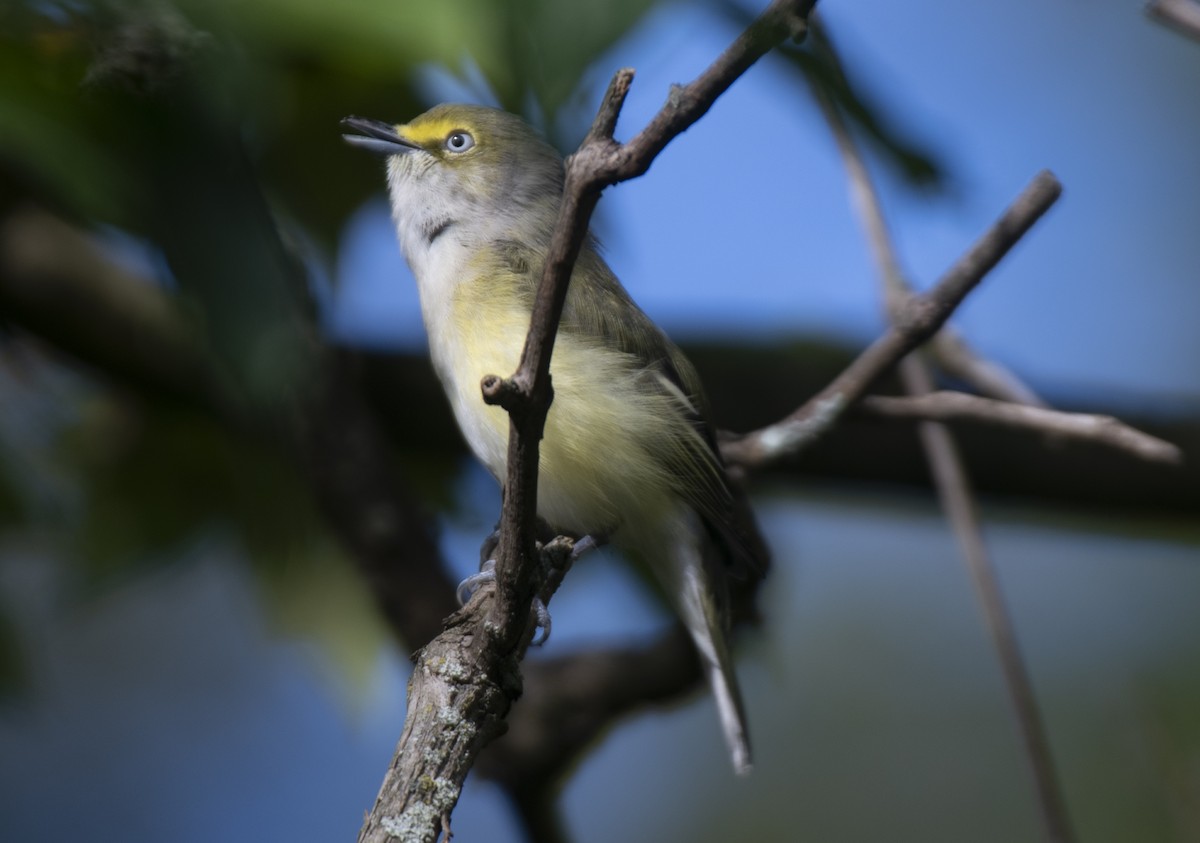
[{"x": 459, "y": 141}]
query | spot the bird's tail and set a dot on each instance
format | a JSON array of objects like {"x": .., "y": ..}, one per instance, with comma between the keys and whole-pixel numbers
[{"x": 698, "y": 598}]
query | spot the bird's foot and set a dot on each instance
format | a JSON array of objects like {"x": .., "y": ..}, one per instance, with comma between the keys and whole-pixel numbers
[
  {"x": 467, "y": 588},
  {"x": 541, "y": 633},
  {"x": 487, "y": 574},
  {"x": 579, "y": 547}
]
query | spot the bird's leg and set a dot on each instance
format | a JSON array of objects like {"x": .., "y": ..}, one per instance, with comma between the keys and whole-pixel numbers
[{"x": 487, "y": 550}]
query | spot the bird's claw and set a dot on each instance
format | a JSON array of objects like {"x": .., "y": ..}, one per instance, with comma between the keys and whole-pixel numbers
[
  {"x": 467, "y": 588},
  {"x": 543, "y": 623},
  {"x": 487, "y": 574}
]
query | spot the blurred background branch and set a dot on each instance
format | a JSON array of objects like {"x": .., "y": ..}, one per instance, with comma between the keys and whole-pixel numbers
[
  {"x": 917, "y": 319},
  {"x": 1182, "y": 15},
  {"x": 950, "y": 478}
]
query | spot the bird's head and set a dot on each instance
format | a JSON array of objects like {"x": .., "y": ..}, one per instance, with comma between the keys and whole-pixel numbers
[{"x": 471, "y": 165}]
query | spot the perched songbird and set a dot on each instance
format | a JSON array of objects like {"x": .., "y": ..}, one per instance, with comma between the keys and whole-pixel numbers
[{"x": 628, "y": 452}]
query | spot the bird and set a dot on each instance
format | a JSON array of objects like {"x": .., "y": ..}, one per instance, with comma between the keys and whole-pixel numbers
[{"x": 628, "y": 451}]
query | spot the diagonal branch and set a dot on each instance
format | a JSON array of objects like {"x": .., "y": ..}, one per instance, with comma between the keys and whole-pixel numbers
[
  {"x": 947, "y": 347},
  {"x": 955, "y": 356},
  {"x": 922, "y": 316},
  {"x": 958, "y": 501},
  {"x": 1181, "y": 15}
]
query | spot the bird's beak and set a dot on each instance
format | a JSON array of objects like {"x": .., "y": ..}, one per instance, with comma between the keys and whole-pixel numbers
[{"x": 377, "y": 136}]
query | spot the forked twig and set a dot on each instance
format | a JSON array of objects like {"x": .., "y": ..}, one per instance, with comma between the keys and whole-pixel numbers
[{"x": 958, "y": 501}]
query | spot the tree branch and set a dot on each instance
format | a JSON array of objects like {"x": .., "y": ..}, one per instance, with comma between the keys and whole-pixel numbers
[
  {"x": 948, "y": 406},
  {"x": 958, "y": 500},
  {"x": 55, "y": 283},
  {"x": 923, "y": 315},
  {"x": 571, "y": 701},
  {"x": 947, "y": 347},
  {"x": 955, "y": 356},
  {"x": 458, "y": 697},
  {"x": 577, "y": 697},
  {"x": 1181, "y": 15},
  {"x": 599, "y": 162}
]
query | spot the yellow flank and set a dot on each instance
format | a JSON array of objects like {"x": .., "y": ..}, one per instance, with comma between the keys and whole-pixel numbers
[{"x": 596, "y": 466}]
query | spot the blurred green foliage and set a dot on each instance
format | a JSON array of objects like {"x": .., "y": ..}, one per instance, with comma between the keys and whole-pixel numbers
[
  {"x": 93, "y": 93},
  {"x": 1170, "y": 720},
  {"x": 208, "y": 131},
  {"x": 152, "y": 474}
]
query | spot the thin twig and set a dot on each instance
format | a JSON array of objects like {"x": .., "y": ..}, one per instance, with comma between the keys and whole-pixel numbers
[
  {"x": 958, "y": 501},
  {"x": 922, "y": 317},
  {"x": 528, "y": 393},
  {"x": 947, "y": 348},
  {"x": 955, "y": 356},
  {"x": 949, "y": 406}
]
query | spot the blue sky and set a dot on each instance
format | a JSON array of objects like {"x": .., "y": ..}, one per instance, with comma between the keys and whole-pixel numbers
[{"x": 743, "y": 225}]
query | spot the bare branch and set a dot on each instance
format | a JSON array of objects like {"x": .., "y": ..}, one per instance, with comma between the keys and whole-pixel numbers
[
  {"x": 958, "y": 501},
  {"x": 55, "y": 282},
  {"x": 577, "y": 696},
  {"x": 948, "y": 406},
  {"x": 957, "y": 358},
  {"x": 948, "y": 348},
  {"x": 572, "y": 700},
  {"x": 921, "y": 318},
  {"x": 1181, "y": 15},
  {"x": 600, "y": 162},
  {"x": 458, "y": 697}
]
